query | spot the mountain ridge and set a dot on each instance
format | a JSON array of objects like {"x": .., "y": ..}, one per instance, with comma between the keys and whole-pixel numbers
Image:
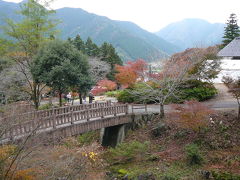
[
  {"x": 192, "y": 32},
  {"x": 130, "y": 41},
  {"x": 118, "y": 33}
]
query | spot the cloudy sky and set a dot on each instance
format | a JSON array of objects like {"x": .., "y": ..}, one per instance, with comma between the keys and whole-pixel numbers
[{"x": 153, "y": 15}]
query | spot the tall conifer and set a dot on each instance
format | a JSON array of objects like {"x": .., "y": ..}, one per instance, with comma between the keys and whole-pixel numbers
[{"x": 231, "y": 30}]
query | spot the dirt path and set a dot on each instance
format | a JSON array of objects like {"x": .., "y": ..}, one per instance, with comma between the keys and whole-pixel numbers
[{"x": 223, "y": 94}]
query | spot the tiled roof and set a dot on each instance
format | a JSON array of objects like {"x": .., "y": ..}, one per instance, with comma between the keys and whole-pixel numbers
[{"x": 232, "y": 49}]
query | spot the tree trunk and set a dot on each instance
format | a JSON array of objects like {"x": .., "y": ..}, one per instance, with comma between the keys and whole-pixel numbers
[
  {"x": 238, "y": 112},
  {"x": 72, "y": 100},
  {"x": 60, "y": 99},
  {"x": 238, "y": 101},
  {"x": 35, "y": 96},
  {"x": 80, "y": 98},
  {"x": 161, "y": 115}
]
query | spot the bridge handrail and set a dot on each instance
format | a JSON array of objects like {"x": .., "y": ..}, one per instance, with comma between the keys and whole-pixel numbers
[
  {"x": 66, "y": 118},
  {"x": 47, "y": 113}
]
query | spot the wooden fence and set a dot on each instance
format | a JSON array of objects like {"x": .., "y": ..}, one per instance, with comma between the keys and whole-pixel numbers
[
  {"x": 48, "y": 113},
  {"x": 55, "y": 120}
]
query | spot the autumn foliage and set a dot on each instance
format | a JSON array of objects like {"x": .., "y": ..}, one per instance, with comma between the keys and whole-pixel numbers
[
  {"x": 97, "y": 90},
  {"x": 192, "y": 115},
  {"x": 233, "y": 86},
  {"x": 129, "y": 74},
  {"x": 108, "y": 84},
  {"x": 8, "y": 167},
  {"x": 103, "y": 86}
]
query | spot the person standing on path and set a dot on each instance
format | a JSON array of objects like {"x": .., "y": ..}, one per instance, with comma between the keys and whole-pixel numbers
[{"x": 69, "y": 97}]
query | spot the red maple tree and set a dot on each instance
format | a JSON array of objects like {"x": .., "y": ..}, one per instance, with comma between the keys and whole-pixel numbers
[{"x": 132, "y": 72}]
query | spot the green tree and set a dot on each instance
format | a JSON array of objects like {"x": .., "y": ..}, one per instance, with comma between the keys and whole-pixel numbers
[
  {"x": 61, "y": 66},
  {"x": 83, "y": 85},
  {"x": 231, "y": 30},
  {"x": 91, "y": 49},
  {"x": 35, "y": 28},
  {"x": 109, "y": 55},
  {"x": 79, "y": 44}
]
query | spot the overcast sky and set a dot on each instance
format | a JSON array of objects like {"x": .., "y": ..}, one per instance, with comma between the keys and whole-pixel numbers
[{"x": 153, "y": 15}]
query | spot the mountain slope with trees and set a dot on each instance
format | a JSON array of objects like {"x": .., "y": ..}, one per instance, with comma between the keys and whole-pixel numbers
[
  {"x": 190, "y": 33},
  {"x": 130, "y": 41}
]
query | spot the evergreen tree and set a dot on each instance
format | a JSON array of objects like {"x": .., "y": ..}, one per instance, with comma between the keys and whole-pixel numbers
[
  {"x": 91, "y": 49},
  {"x": 231, "y": 30},
  {"x": 61, "y": 66},
  {"x": 109, "y": 55},
  {"x": 79, "y": 44}
]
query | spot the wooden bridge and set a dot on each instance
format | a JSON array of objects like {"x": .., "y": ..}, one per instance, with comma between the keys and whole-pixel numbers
[{"x": 66, "y": 121}]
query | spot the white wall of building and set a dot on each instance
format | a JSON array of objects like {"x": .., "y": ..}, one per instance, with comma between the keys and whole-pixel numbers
[{"x": 229, "y": 68}]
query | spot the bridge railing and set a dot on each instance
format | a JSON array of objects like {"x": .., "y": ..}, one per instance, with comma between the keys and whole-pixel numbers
[
  {"x": 48, "y": 113},
  {"x": 55, "y": 120}
]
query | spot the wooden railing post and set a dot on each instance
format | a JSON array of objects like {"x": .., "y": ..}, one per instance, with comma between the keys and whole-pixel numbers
[
  {"x": 71, "y": 116},
  {"x": 87, "y": 111},
  {"x": 54, "y": 121},
  {"x": 126, "y": 108},
  {"x": 145, "y": 107},
  {"x": 102, "y": 112},
  {"x": 115, "y": 109}
]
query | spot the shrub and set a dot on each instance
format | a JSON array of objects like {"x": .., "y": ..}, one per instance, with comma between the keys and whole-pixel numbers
[
  {"x": 129, "y": 95},
  {"x": 125, "y": 97},
  {"x": 113, "y": 93},
  {"x": 45, "y": 107},
  {"x": 122, "y": 172},
  {"x": 87, "y": 137},
  {"x": 169, "y": 177},
  {"x": 190, "y": 90},
  {"x": 224, "y": 176},
  {"x": 193, "y": 116},
  {"x": 194, "y": 155},
  {"x": 8, "y": 165},
  {"x": 196, "y": 89},
  {"x": 126, "y": 152},
  {"x": 199, "y": 93}
]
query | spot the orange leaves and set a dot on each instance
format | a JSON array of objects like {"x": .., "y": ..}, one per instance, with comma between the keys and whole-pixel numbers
[
  {"x": 103, "y": 86},
  {"x": 9, "y": 170},
  {"x": 98, "y": 90},
  {"x": 6, "y": 151},
  {"x": 125, "y": 76},
  {"x": 138, "y": 66},
  {"x": 129, "y": 74},
  {"x": 24, "y": 175},
  {"x": 109, "y": 85},
  {"x": 192, "y": 115}
]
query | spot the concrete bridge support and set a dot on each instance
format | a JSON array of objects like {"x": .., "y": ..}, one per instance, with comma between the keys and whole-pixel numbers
[{"x": 111, "y": 136}]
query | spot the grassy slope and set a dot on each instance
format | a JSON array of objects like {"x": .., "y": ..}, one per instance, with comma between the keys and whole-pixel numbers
[
  {"x": 165, "y": 156},
  {"x": 162, "y": 157}
]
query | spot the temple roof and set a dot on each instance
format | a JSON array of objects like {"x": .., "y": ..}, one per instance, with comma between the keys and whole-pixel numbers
[{"x": 232, "y": 49}]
